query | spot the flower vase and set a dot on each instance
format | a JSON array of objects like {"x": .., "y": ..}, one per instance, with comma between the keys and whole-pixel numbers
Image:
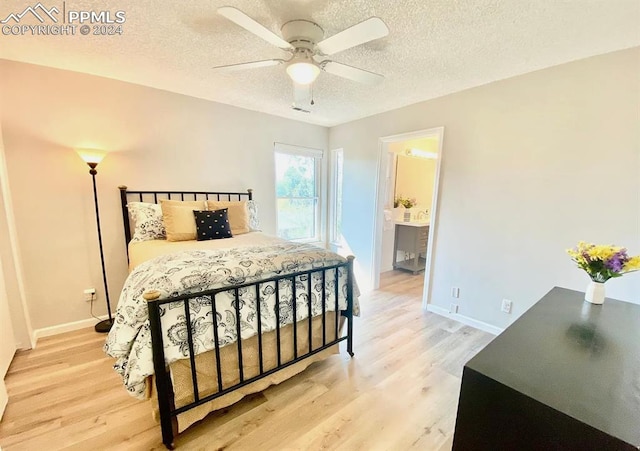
[{"x": 595, "y": 293}]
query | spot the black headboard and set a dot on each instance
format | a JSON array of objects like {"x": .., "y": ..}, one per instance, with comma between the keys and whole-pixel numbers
[{"x": 127, "y": 196}]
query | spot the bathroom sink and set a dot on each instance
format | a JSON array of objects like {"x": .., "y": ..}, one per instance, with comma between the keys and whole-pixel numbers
[{"x": 416, "y": 223}]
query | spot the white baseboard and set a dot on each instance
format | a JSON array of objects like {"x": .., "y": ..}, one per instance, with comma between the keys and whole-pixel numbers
[
  {"x": 481, "y": 325},
  {"x": 62, "y": 328}
]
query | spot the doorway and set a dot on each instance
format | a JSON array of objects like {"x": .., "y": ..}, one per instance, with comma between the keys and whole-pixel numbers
[{"x": 407, "y": 205}]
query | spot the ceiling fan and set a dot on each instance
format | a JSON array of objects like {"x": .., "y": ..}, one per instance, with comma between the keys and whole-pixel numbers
[{"x": 303, "y": 39}]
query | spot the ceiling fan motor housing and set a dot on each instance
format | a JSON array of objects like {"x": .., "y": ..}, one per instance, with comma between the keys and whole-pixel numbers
[{"x": 302, "y": 34}]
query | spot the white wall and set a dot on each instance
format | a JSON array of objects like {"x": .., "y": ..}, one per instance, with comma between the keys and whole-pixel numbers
[
  {"x": 163, "y": 141},
  {"x": 530, "y": 166}
]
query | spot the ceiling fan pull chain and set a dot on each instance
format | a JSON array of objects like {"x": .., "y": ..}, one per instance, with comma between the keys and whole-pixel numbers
[{"x": 312, "y": 102}]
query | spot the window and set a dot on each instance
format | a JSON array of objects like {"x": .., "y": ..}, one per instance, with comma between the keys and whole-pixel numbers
[
  {"x": 337, "y": 163},
  {"x": 297, "y": 192}
]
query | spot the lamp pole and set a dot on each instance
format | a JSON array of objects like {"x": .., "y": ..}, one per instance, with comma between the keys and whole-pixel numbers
[{"x": 105, "y": 325}]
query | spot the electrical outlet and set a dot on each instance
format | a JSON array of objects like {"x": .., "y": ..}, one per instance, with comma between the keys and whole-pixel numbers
[
  {"x": 506, "y": 305},
  {"x": 90, "y": 294},
  {"x": 453, "y": 308},
  {"x": 455, "y": 292}
]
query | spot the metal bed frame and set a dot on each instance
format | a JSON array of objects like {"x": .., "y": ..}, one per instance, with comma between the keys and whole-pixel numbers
[{"x": 164, "y": 388}]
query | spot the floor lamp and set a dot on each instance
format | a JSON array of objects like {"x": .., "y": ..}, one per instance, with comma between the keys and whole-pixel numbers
[{"x": 92, "y": 157}]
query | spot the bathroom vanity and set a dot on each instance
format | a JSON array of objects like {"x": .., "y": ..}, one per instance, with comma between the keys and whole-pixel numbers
[{"x": 410, "y": 238}]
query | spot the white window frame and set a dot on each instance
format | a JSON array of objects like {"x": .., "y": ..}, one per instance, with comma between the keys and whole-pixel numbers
[
  {"x": 336, "y": 183},
  {"x": 318, "y": 156}
]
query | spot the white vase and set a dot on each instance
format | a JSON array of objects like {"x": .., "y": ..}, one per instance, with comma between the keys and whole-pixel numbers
[{"x": 595, "y": 293}]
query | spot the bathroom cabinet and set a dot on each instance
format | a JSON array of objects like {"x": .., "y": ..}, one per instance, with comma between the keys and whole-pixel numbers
[{"x": 410, "y": 238}]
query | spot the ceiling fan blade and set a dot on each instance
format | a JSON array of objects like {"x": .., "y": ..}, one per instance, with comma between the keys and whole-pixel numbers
[
  {"x": 352, "y": 73},
  {"x": 369, "y": 30},
  {"x": 239, "y": 18},
  {"x": 251, "y": 65}
]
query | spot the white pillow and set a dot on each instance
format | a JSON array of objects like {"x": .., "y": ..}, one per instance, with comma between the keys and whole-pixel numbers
[
  {"x": 148, "y": 221},
  {"x": 254, "y": 221}
]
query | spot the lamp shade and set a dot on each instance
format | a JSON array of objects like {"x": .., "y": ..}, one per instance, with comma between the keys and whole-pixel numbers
[
  {"x": 303, "y": 72},
  {"x": 94, "y": 156}
]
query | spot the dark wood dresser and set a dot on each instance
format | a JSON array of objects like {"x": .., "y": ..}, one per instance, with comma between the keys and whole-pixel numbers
[{"x": 564, "y": 376}]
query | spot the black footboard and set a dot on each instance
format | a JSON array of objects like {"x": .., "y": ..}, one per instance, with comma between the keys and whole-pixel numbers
[{"x": 168, "y": 411}]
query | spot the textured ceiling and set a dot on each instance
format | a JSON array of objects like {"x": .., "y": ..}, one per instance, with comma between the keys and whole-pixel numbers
[{"x": 435, "y": 47}]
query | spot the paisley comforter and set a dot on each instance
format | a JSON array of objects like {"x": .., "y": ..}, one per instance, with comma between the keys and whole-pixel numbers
[{"x": 194, "y": 271}]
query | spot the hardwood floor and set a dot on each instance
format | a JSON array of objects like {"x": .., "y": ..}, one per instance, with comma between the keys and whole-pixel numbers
[{"x": 400, "y": 391}]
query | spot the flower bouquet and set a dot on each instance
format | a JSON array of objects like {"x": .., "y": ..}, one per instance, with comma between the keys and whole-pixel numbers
[
  {"x": 404, "y": 201},
  {"x": 601, "y": 263}
]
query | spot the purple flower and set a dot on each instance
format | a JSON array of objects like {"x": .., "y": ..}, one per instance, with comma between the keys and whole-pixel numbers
[{"x": 617, "y": 261}]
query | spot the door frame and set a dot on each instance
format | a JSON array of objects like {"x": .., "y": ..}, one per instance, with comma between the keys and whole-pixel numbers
[
  {"x": 21, "y": 319},
  {"x": 7, "y": 341},
  {"x": 378, "y": 220}
]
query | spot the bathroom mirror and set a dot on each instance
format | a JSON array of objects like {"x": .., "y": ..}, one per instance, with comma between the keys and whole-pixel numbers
[{"x": 415, "y": 179}]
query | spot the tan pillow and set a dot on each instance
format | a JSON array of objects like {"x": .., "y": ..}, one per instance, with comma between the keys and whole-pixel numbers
[
  {"x": 178, "y": 218},
  {"x": 238, "y": 214}
]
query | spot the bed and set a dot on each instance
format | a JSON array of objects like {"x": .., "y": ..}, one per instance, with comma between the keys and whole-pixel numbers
[{"x": 201, "y": 324}]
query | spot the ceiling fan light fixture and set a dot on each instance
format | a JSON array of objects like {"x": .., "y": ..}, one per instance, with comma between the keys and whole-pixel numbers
[{"x": 303, "y": 72}]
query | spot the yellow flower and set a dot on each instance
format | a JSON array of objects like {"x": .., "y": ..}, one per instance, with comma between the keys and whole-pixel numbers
[
  {"x": 602, "y": 252},
  {"x": 633, "y": 264},
  {"x": 576, "y": 256}
]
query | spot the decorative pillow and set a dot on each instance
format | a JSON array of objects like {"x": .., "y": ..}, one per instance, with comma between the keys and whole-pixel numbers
[
  {"x": 178, "y": 218},
  {"x": 212, "y": 225},
  {"x": 238, "y": 214},
  {"x": 254, "y": 220},
  {"x": 147, "y": 218}
]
